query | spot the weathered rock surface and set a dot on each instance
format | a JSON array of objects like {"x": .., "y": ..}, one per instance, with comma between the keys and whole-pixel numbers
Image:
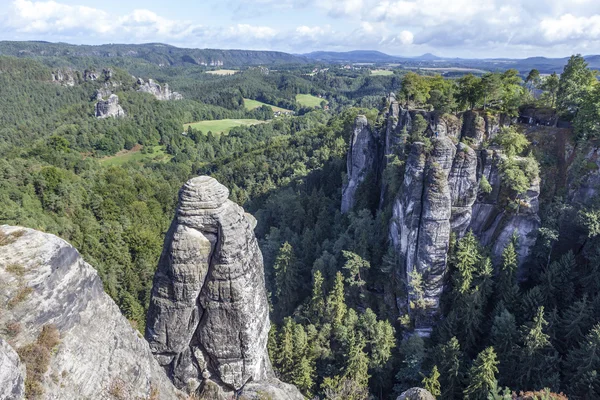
[
  {"x": 463, "y": 188},
  {"x": 65, "y": 76},
  {"x": 12, "y": 373},
  {"x": 416, "y": 394},
  {"x": 208, "y": 320},
  {"x": 158, "y": 91},
  {"x": 109, "y": 107},
  {"x": 361, "y": 160},
  {"x": 439, "y": 191},
  {"x": 494, "y": 225},
  {"x": 98, "y": 350}
]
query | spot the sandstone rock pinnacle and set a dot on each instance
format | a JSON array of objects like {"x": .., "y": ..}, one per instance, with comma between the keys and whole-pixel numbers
[{"x": 208, "y": 320}]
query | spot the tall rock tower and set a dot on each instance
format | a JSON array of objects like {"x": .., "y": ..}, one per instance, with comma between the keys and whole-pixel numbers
[{"x": 208, "y": 321}]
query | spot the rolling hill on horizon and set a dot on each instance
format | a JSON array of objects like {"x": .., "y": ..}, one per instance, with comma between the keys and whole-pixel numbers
[{"x": 159, "y": 54}]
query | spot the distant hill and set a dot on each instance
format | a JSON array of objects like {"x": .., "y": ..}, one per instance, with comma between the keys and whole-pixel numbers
[
  {"x": 357, "y": 56},
  {"x": 155, "y": 53}
]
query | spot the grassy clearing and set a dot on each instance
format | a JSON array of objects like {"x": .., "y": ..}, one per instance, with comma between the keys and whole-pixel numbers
[
  {"x": 250, "y": 104},
  {"x": 308, "y": 100},
  {"x": 221, "y": 125},
  {"x": 223, "y": 72},
  {"x": 381, "y": 72},
  {"x": 136, "y": 155}
]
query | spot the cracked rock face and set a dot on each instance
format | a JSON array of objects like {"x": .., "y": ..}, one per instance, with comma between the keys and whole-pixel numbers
[
  {"x": 98, "y": 349},
  {"x": 109, "y": 107},
  {"x": 208, "y": 320},
  {"x": 12, "y": 373}
]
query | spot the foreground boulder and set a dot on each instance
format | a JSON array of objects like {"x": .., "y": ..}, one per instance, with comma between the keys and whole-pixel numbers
[
  {"x": 208, "y": 320},
  {"x": 94, "y": 351}
]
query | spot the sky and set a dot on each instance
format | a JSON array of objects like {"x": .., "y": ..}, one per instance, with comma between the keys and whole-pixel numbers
[{"x": 447, "y": 28}]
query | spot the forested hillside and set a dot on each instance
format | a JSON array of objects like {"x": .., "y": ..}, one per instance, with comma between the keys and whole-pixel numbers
[{"x": 334, "y": 279}]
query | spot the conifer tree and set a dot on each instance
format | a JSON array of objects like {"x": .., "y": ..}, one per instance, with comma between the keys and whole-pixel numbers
[
  {"x": 355, "y": 268},
  {"x": 465, "y": 260},
  {"x": 452, "y": 374},
  {"x": 357, "y": 366},
  {"x": 575, "y": 323},
  {"x": 507, "y": 289},
  {"x": 582, "y": 367},
  {"x": 432, "y": 383},
  {"x": 482, "y": 376},
  {"x": 285, "y": 352},
  {"x": 504, "y": 338},
  {"x": 317, "y": 299},
  {"x": 539, "y": 360},
  {"x": 287, "y": 280},
  {"x": 336, "y": 303}
]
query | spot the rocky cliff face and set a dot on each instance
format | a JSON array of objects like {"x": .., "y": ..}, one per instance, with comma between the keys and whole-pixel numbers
[
  {"x": 109, "y": 107},
  {"x": 45, "y": 282},
  {"x": 361, "y": 161},
  {"x": 208, "y": 320},
  {"x": 158, "y": 91},
  {"x": 439, "y": 193}
]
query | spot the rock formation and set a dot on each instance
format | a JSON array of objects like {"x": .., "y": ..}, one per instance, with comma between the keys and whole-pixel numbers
[
  {"x": 158, "y": 91},
  {"x": 109, "y": 107},
  {"x": 45, "y": 281},
  {"x": 362, "y": 158},
  {"x": 12, "y": 373},
  {"x": 65, "y": 76},
  {"x": 416, "y": 394},
  {"x": 439, "y": 193},
  {"x": 208, "y": 320}
]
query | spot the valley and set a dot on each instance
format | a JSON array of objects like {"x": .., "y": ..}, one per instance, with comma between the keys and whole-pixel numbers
[{"x": 297, "y": 226}]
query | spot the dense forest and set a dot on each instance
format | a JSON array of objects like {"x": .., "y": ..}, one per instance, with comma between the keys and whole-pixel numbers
[{"x": 503, "y": 327}]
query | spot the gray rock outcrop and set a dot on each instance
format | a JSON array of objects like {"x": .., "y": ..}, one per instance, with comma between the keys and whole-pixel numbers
[
  {"x": 12, "y": 373},
  {"x": 361, "y": 160},
  {"x": 109, "y": 107},
  {"x": 45, "y": 281},
  {"x": 158, "y": 91},
  {"x": 208, "y": 320},
  {"x": 65, "y": 76},
  {"x": 416, "y": 393}
]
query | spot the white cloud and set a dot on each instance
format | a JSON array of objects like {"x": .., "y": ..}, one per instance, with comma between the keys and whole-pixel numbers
[
  {"x": 569, "y": 27},
  {"x": 458, "y": 27}
]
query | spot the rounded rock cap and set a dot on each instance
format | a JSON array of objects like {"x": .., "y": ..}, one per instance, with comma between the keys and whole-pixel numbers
[{"x": 202, "y": 192}]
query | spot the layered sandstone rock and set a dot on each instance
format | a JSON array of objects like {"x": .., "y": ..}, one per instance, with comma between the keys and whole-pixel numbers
[
  {"x": 208, "y": 320},
  {"x": 45, "y": 281}
]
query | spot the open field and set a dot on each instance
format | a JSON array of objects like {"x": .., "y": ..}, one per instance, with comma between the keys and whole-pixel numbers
[
  {"x": 252, "y": 104},
  {"x": 308, "y": 100},
  {"x": 223, "y": 72},
  {"x": 381, "y": 72},
  {"x": 135, "y": 154},
  {"x": 221, "y": 125}
]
